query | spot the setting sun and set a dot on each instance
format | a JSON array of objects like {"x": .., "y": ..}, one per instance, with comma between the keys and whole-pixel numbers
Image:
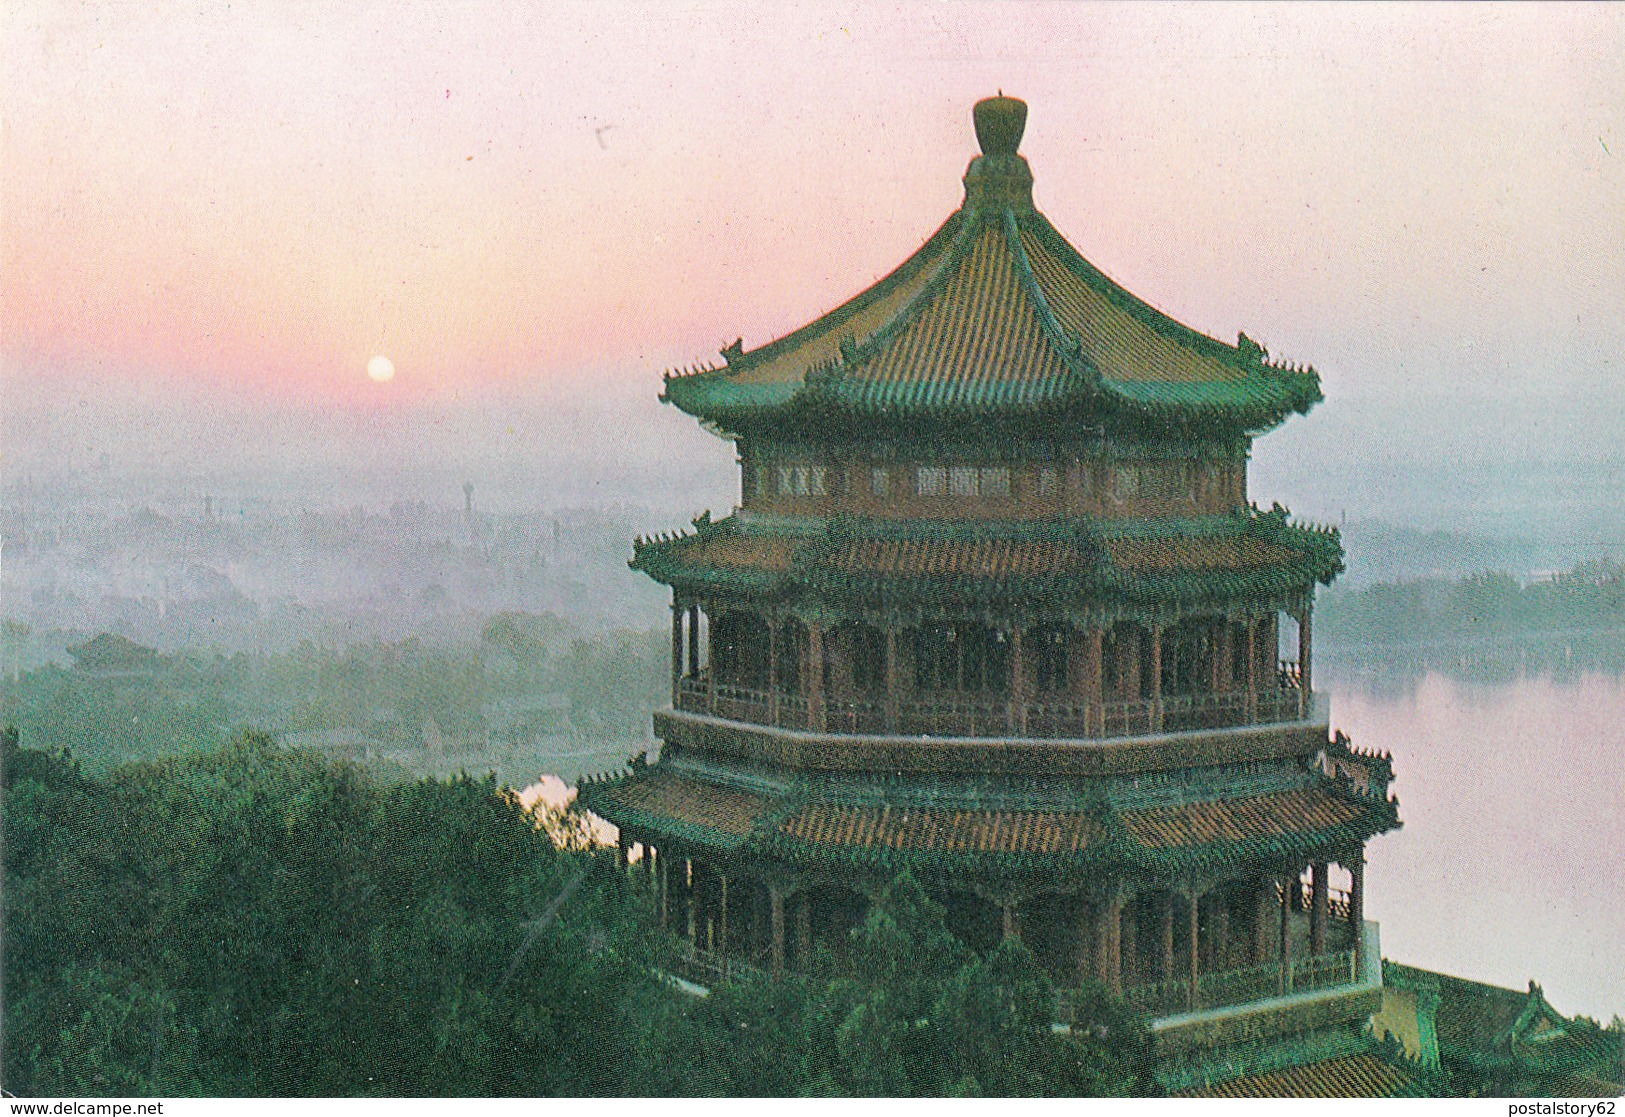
[{"x": 381, "y": 369}]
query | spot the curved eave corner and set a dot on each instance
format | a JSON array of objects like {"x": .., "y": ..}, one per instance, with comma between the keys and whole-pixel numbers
[
  {"x": 1251, "y": 405},
  {"x": 1377, "y": 816}
]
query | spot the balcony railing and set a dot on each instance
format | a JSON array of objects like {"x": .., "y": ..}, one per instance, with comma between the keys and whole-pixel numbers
[
  {"x": 856, "y": 717},
  {"x": 955, "y": 719},
  {"x": 711, "y": 967},
  {"x": 1222, "y": 989},
  {"x": 993, "y": 716},
  {"x": 1339, "y": 904},
  {"x": 1225, "y": 988}
]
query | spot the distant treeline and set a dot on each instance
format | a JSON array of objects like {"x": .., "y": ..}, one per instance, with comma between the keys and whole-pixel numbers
[
  {"x": 133, "y": 704},
  {"x": 1489, "y": 608},
  {"x": 262, "y": 921}
]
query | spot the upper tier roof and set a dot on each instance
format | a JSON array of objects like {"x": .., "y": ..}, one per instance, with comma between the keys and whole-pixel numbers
[
  {"x": 1202, "y": 559},
  {"x": 996, "y": 314}
]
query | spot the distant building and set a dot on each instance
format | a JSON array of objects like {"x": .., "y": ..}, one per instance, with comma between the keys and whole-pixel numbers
[
  {"x": 995, "y": 609},
  {"x": 114, "y": 656},
  {"x": 1497, "y": 1042}
]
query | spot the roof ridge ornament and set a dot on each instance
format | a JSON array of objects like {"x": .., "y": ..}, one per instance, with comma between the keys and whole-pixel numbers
[
  {"x": 1251, "y": 352},
  {"x": 999, "y": 178},
  {"x": 1000, "y": 123}
]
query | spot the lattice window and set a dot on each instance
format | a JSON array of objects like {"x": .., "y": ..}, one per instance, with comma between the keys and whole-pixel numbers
[
  {"x": 1126, "y": 483},
  {"x": 803, "y": 480},
  {"x": 931, "y": 480}
]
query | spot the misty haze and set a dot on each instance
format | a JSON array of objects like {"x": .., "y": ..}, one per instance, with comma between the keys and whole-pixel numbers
[{"x": 369, "y": 485}]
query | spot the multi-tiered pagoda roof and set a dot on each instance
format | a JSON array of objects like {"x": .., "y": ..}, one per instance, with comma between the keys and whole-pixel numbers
[
  {"x": 995, "y": 609},
  {"x": 996, "y": 314}
]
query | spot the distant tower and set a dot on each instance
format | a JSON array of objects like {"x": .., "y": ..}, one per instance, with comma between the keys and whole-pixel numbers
[
  {"x": 208, "y": 508},
  {"x": 468, "y": 501}
]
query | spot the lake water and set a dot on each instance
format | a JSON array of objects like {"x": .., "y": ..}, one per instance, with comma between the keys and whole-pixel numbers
[{"x": 1511, "y": 862}]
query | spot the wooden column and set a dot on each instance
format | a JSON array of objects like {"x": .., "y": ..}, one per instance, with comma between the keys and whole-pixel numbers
[
  {"x": 838, "y": 649},
  {"x": 722, "y": 914},
  {"x": 1252, "y": 675},
  {"x": 623, "y": 850},
  {"x": 699, "y": 903},
  {"x": 1305, "y": 676},
  {"x": 676, "y": 651},
  {"x": 663, "y": 875},
  {"x": 1318, "y": 903},
  {"x": 776, "y": 898},
  {"x": 1288, "y": 883},
  {"x": 813, "y": 683},
  {"x": 1167, "y": 936},
  {"x": 710, "y": 666},
  {"x": 1094, "y": 680},
  {"x": 1357, "y": 911},
  {"x": 1221, "y": 930},
  {"x": 761, "y": 924},
  {"x": 1114, "y": 945},
  {"x": 1130, "y": 679},
  {"x": 1016, "y": 711},
  {"x": 693, "y": 641},
  {"x": 804, "y": 928},
  {"x": 1195, "y": 969},
  {"x": 773, "y": 670},
  {"x": 891, "y": 679},
  {"x": 1083, "y": 944},
  {"x": 1156, "y": 678},
  {"x": 1103, "y": 915},
  {"x": 686, "y": 869},
  {"x": 1128, "y": 942},
  {"x": 1263, "y": 921},
  {"x": 1011, "y": 929}
]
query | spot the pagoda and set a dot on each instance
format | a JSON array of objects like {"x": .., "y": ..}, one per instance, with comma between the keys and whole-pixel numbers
[{"x": 995, "y": 609}]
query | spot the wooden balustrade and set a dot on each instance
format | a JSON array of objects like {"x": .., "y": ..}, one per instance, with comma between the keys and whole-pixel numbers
[
  {"x": 710, "y": 967},
  {"x": 856, "y": 717},
  {"x": 1339, "y": 901},
  {"x": 994, "y": 716},
  {"x": 1243, "y": 985}
]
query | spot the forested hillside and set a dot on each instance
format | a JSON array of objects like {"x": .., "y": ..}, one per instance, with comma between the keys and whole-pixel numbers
[{"x": 260, "y": 921}]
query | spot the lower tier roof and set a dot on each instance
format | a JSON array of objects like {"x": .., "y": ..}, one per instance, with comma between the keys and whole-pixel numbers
[
  {"x": 1366, "y": 1075},
  {"x": 1019, "y": 826},
  {"x": 1202, "y": 558}
]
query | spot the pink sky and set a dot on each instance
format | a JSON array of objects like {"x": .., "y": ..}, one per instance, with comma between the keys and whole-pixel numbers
[{"x": 266, "y": 194}]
